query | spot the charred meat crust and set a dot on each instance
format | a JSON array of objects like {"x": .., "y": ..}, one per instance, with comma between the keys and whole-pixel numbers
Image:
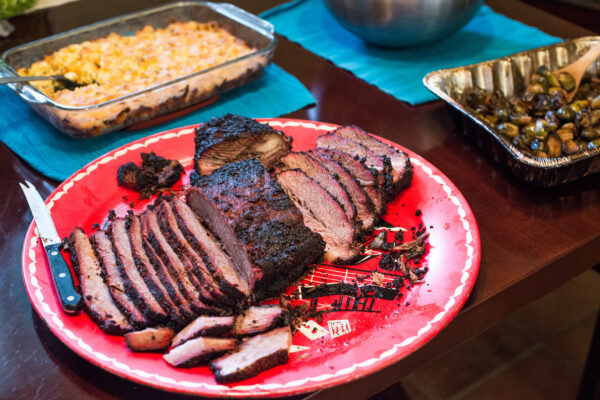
[
  {"x": 135, "y": 286},
  {"x": 207, "y": 247},
  {"x": 253, "y": 356},
  {"x": 237, "y": 132},
  {"x": 103, "y": 249},
  {"x": 97, "y": 298},
  {"x": 264, "y": 221},
  {"x": 210, "y": 293}
]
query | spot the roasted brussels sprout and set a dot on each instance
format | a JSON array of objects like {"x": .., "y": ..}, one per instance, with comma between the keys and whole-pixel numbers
[{"x": 566, "y": 81}]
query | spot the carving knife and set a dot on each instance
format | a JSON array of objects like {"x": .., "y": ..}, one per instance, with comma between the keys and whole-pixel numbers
[{"x": 70, "y": 300}]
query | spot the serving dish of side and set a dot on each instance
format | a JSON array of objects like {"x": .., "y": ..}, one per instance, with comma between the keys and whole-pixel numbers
[
  {"x": 512, "y": 75},
  {"x": 354, "y": 336},
  {"x": 154, "y": 101}
]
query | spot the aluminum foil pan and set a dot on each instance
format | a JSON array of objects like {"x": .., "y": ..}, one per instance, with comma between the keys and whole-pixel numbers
[{"x": 511, "y": 75}]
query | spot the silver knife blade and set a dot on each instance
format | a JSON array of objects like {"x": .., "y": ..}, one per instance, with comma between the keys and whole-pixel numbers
[{"x": 41, "y": 215}]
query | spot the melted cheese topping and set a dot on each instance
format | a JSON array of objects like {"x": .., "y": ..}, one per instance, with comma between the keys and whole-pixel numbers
[{"x": 116, "y": 65}]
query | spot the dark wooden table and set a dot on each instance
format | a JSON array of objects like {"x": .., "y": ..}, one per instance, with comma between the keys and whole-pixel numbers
[{"x": 533, "y": 240}]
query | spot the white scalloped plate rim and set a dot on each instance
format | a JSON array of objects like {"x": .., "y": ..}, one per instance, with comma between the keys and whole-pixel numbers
[{"x": 469, "y": 273}]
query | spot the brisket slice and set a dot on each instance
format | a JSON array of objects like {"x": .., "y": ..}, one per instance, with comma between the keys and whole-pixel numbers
[
  {"x": 232, "y": 138},
  {"x": 155, "y": 274},
  {"x": 254, "y": 355},
  {"x": 257, "y": 319},
  {"x": 365, "y": 214},
  {"x": 401, "y": 166},
  {"x": 204, "y": 326},
  {"x": 106, "y": 257},
  {"x": 316, "y": 171},
  {"x": 198, "y": 350},
  {"x": 260, "y": 227},
  {"x": 209, "y": 290},
  {"x": 96, "y": 294},
  {"x": 322, "y": 214},
  {"x": 186, "y": 281},
  {"x": 365, "y": 176},
  {"x": 216, "y": 260},
  {"x": 379, "y": 163},
  {"x": 150, "y": 339},
  {"x": 144, "y": 297}
]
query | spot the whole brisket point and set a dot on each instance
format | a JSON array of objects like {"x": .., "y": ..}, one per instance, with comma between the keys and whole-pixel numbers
[
  {"x": 233, "y": 138},
  {"x": 259, "y": 225}
]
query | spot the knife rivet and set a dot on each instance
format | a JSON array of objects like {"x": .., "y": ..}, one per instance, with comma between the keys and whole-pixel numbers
[
  {"x": 70, "y": 298},
  {"x": 62, "y": 275},
  {"x": 54, "y": 253}
]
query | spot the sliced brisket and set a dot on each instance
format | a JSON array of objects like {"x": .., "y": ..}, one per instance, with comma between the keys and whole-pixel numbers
[
  {"x": 154, "y": 274},
  {"x": 204, "y": 326},
  {"x": 401, "y": 166},
  {"x": 379, "y": 163},
  {"x": 186, "y": 281},
  {"x": 322, "y": 214},
  {"x": 106, "y": 257},
  {"x": 231, "y": 281},
  {"x": 316, "y": 171},
  {"x": 135, "y": 286},
  {"x": 365, "y": 177},
  {"x": 198, "y": 350},
  {"x": 150, "y": 339},
  {"x": 257, "y": 319},
  {"x": 209, "y": 291},
  {"x": 254, "y": 355},
  {"x": 365, "y": 213},
  {"x": 232, "y": 138},
  {"x": 96, "y": 294},
  {"x": 259, "y": 226}
]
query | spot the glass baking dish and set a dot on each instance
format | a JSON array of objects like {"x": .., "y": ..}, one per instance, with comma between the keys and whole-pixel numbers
[
  {"x": 121, "y": 112},
  {"x": 512, "y": 75}
]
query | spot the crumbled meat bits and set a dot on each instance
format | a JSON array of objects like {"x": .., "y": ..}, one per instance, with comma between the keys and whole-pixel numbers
[{"x": 155, "y": 175}]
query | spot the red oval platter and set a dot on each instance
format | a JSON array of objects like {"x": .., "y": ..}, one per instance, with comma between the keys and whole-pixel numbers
[{"x": 355, "y": 337}]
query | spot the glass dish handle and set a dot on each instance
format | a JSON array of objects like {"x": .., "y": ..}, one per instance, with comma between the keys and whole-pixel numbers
[{"x": 242, "y": 16}]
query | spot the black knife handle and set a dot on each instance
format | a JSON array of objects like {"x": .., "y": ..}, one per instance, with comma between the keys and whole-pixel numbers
[{"x": 70, "y": 300}]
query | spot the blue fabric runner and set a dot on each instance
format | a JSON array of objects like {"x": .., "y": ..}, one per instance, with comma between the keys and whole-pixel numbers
[
  {"x": 400, "y": 72},
  {"x": 57, "y": 156}
]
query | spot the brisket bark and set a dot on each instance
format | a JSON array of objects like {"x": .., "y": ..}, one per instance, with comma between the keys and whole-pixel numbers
[
  {"x": 96, "y": 294},
  {"x": 258, "y": 224},
  {"x": 322, "y": 214},
  {"x": 233, "y": 138},
  {"x": 316, "y": 171},
  {"x": 254, "y": 355},
  {"x": 106, "y": 257}
]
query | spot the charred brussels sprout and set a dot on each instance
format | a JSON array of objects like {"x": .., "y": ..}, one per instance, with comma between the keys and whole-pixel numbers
[
  {"x": 566, "y": 81},
  {"x": 509, "y": 130}
]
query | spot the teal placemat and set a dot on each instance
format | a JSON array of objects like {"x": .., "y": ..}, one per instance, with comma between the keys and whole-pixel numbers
[
  {"x": 400, "y": 72},
  {"x": 57, "y": 156}
]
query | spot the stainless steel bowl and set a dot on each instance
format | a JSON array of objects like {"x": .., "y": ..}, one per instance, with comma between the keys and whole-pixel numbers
[{"x": 403, "y": 23}]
